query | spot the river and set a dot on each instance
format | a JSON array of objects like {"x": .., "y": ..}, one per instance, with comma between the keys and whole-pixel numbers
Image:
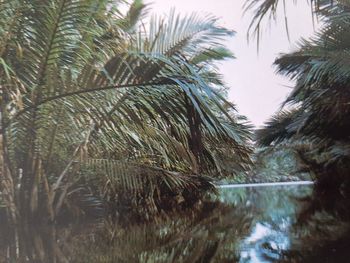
[{"x": 243, "y": 223}]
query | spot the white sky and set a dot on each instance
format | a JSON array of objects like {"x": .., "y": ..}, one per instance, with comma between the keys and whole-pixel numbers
[{"x": 254, "y": 87}]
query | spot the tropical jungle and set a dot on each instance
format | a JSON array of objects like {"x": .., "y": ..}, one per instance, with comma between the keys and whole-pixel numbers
[{"x": 118, "y": 142}]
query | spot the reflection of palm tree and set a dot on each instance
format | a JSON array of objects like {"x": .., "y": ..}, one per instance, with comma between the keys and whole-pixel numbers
[
  {"x": 210, "y": 234},
  {"x": 81, "y": 81}
]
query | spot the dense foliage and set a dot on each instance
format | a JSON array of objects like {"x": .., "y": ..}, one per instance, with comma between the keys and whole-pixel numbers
[
  {"x": 86, "y": 87},
  {"x": 315, "y": 119}
]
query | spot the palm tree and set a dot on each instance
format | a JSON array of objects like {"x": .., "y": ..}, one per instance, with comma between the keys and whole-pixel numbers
[
  {"x": 86, "y": 86},
  {"x": 317, "y": 121},
  {"x": 268, "y": 9}
]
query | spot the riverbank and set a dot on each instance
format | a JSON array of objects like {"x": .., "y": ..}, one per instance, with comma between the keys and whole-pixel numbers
[{"x": 265, "y": 184}]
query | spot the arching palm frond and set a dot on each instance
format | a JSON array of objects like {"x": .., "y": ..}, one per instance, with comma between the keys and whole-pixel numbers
[
  {"x": 280, "y": 127},
  {"x": 162, "y": 102},
  {"x": 320, "y": 61},
  {"x": 322, "y": 70},
  {"x": 89, "y": 81},
  {"x": 268, "y": 10},
  {"x": 134, "y": 184}
]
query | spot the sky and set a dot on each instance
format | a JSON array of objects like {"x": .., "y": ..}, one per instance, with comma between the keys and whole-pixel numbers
[{"x": 254, "y": 87}]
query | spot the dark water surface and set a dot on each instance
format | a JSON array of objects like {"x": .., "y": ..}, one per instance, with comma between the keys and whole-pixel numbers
[{"x": 247, "y": 224}]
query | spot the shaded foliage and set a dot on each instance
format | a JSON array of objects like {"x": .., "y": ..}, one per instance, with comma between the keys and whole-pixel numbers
[
  {"x": 317, "y": 123},
  {"x": 82, "y": 80}
]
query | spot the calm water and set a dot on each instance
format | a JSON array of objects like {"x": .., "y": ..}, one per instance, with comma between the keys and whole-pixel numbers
[{"x": 256, "y": 224}]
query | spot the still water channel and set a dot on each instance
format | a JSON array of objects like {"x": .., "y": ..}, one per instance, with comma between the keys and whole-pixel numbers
[{"x": 266, "y": 223}]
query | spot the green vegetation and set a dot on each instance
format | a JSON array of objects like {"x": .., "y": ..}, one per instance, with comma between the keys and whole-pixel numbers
[
  {"x": 91, "y": 94},
  {"x": 108, "y": 112},
  {"x": 315, "y": 119},
  {"x": 279, "y": 164}
]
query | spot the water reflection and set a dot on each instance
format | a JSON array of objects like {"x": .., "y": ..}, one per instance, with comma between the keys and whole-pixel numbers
[
  {"x": 240, "y": 225},
  {"x": 275, "y": 209}
]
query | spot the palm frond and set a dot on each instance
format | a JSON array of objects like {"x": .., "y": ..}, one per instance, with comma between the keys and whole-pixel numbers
[
  {"x": 280, "y": 127},
  {"x": 92, "y": 82},
  {"x": 268, "y": 10},
  {"x": 145, "y": 186}
]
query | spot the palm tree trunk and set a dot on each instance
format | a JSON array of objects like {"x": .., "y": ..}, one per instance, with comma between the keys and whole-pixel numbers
[
  {"x": 7, "y": 185},
  {"x": 195, "y": 137}
]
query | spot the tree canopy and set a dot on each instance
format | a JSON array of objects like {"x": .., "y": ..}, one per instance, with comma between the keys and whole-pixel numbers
[{"x": 84, "y": 83}]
